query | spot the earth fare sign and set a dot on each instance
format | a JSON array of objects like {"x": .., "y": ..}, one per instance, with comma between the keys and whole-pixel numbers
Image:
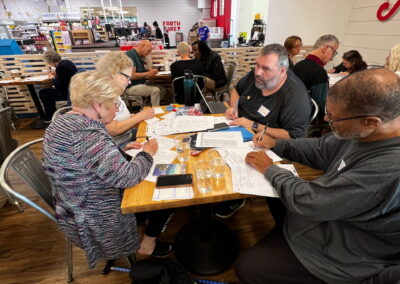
[{"x": 172, "y": 26}]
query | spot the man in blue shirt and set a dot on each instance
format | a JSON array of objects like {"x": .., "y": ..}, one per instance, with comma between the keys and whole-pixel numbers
[{"x": 204, "y": 32}]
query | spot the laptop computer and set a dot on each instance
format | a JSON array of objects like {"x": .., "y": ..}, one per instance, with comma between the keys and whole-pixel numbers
[{"x": 210, "y": 107}]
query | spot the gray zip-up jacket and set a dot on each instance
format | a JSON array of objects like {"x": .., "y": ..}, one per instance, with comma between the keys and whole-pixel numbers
[{"x": 344, "y": 226}]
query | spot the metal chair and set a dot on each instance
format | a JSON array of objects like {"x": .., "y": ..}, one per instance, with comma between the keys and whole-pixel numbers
[
  {"x": 61, "y": 111},
  {"x": 7, "y": 145},
  {"x": 231, "y": 68},
  {"x": 29, "y": 169},
  {"x": 314, "y": 129},
  {"x": 316, "y": 110}
]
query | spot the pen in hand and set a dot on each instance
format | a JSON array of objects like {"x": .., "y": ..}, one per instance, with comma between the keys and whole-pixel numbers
[{"x": 263, "y": 132}]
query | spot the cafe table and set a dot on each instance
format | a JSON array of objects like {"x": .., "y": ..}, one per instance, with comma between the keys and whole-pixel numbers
[
  {"x": 204, "y": 246},
  {"x": 30, "y": 82}
]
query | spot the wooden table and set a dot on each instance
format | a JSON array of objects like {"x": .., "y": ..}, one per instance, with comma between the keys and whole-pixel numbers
[
  {"x": 31, "y": 82},
  {"x": 204, "y": 246}
]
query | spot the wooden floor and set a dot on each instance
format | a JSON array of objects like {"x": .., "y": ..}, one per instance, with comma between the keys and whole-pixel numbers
[{"x": 32, "y": 249}]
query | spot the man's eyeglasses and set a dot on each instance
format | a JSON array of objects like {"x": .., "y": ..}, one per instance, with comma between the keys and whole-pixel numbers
[
  {"x": 125, "y": 75},
  {"x": 332, "y": 121},
  {"x": 333, "y": 49}
]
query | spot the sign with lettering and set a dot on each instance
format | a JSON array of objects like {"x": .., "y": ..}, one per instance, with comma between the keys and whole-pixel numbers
[
  {"x": 385, "y": 12},
  {"x": 61, "y": 16},
  {"x": 172, "y": 26}
]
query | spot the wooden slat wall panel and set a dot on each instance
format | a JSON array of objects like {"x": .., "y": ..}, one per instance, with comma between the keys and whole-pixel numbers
[{"x": 33, "y": 64}]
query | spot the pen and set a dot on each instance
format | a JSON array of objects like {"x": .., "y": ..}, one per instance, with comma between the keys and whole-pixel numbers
[
  {"x": 263, "y": 132},
  {"x": 147, "y": 138}
]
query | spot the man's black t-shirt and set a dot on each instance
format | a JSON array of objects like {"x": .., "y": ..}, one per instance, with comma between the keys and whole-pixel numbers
[
  {"x": 177, "y": 70},
  {"x": 289, "y": 108}
]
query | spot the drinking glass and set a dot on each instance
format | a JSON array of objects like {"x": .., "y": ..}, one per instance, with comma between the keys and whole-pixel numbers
[
  {"x": 182, "y": 143},
  {"x": 217, "y": 162},
  {"x": 203, "y": 176}
]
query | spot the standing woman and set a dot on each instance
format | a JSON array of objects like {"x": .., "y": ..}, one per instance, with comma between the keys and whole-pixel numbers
[
  {"x": 293, "y": 46},
  {"x": 89, "y": 174},
  {"x": 158, "y": 32}
]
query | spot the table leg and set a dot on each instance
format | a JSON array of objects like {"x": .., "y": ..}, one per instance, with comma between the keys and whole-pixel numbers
[
  {"x": 37, "y": 123},
  {"x": 205, "y": 246}
]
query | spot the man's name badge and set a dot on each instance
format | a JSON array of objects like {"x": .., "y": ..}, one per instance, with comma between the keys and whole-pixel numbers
[
  {"x": 342, "y": 165},
  {"x": 263, "y": 111}
]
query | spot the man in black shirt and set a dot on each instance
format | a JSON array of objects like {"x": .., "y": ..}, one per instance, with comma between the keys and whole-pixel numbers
[
  {"x": 178, "y": 69},
  {"x": 271, "y": 96},
  {"x": 64, "y": 70}
]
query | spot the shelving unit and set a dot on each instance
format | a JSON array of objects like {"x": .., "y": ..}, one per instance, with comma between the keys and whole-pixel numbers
[
  {"x": 102, "y": 32},
  {"x": 82, "y": 37},
  {"x": 62, "y": 41}
]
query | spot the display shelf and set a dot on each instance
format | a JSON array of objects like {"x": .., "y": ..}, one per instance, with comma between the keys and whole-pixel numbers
[{"x": 82, "y": 37}]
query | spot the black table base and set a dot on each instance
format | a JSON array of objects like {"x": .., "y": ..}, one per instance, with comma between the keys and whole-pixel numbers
[{"x": 205, "y": 246}]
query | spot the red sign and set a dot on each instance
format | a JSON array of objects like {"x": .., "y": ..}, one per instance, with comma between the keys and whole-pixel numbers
[
  {"x": 386, "y": 6},
  {"x": 172, "y": 26}
]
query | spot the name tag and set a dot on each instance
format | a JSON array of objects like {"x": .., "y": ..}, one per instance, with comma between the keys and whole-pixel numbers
[
  {"x": 342, "y": 165},
  {"x": 263, "y": 111}
]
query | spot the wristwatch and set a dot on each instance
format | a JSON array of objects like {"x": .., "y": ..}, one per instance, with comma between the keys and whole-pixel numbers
[{"x": 254, "y": 127}]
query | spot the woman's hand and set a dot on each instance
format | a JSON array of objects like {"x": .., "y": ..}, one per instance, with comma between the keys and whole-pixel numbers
[
  {"x": 146, "y": 113},
  {"x": 151, "y": 147},
  {"x": 133, "y": 145}
]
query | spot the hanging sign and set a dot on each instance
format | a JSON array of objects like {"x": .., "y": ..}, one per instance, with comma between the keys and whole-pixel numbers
[
  {"x": 61, "y": 16},
  {"x": 384, "y": 7},
  {"x": 172, "y": 26}
]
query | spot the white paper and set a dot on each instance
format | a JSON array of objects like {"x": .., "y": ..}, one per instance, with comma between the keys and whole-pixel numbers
[
  {"x": 220, "y": 139},
  {"x": 6, "y": 81},
  {"x": 158, "y": 110},
  {"x": 247, "y": 180},
  {"x": 164, "y": 73},
  {"x": 173, "y": 193},
  {"x": 36, "y": 78},
  {"x": 164, "y": 142},
  {"x": 221, "y": 119},
  {"x": 171, "y": 114},
  {"x": 180, "y": 124},
  {"x": 150, "y": 120}
]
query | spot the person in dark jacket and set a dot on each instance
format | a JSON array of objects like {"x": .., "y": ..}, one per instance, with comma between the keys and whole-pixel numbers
[
  {"x": 158, "y": 30},
  {"x": 64, "y": 70},
  {"x": 212, "y": 65}
]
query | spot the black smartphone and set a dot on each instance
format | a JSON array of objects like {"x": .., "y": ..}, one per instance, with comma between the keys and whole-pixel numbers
[
  {"x": 174, "y": 180},
  {"x": 220, "y": 126}
]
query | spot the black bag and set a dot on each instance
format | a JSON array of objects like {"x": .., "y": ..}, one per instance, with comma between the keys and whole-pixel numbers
[{"x": 159, "y": 271}]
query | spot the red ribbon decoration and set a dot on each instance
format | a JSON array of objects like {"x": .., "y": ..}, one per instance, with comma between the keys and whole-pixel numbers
[{"x": 386, "y": 6}]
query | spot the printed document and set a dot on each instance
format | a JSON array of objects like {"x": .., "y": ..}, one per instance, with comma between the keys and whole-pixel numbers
[{"x": 219, "y": 140}]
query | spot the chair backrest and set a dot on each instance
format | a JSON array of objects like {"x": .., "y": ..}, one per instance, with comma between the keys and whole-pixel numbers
[
  {"x": 24, "y": 163},
  {"x": 61, "y": 111},
  {"x": 6, "y": 144},
  {"x": 315, "y": 110},
  {"x": 231, "y": 68}
]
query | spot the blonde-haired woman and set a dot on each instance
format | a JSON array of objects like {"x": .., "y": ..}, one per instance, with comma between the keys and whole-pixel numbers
[
  {"x": 393, "y": 60},
  {"x": 89, "y": 174},
  {"x": 119, "y": 66}
]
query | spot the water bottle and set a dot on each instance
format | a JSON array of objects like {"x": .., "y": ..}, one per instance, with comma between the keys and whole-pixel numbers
[{"x": 189, "y": 88}]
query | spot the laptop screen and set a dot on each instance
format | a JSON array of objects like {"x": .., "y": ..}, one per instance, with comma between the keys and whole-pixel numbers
[{"x": 205, "y": 106}]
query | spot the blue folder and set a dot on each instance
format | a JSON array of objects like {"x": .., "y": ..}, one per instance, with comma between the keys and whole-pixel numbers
[{"x": 247, "y": 135}]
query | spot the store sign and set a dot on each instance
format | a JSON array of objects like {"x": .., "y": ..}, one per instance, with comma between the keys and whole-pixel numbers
[
  {"x": 60, "y": 16},
  {"x": 172, "y": 26},
  {"x": 385, "y": 7}
]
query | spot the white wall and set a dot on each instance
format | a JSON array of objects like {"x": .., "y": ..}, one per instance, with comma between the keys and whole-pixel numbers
[
  {"x": 365, "y": 33},
  {"x": 308, "y": 19},
  {"x": 186, "y": 11},
  {"x": 245, "y": 15},
  {"x": 22, "y": 10}
]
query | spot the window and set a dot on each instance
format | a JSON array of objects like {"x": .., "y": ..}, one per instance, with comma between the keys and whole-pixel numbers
[
  {"x": 215, "y": 8},
  {"x": 221, "y": 7}
]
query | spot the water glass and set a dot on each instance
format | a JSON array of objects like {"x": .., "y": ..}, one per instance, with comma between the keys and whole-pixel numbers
[
  {"x": 203, "y": 176},
  {"x": 182, "y": 143},
  {"x": 218, "y": 167}
]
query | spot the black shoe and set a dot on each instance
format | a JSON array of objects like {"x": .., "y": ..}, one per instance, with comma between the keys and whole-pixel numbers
[
  {"x": 228, "y": 208},
  {"x": 163, "y": 249}
]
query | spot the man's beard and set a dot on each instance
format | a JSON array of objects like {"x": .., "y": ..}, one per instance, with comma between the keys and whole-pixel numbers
[
  {"x": 264, "y": 84},
  {"x": 350, "y": 134}
]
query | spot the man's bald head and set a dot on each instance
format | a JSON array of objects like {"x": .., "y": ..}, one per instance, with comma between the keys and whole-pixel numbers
[
  {"x": 144, "y": 48},
  {"x": 370, "y": 92}
]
